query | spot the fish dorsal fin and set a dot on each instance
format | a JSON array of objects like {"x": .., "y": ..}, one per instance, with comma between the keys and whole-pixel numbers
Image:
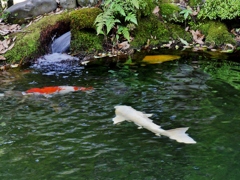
[
  {"x": 118, "y": 119},
  {"x": 146, "y": 116}
]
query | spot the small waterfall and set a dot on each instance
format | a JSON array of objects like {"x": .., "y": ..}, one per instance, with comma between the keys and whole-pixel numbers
[
  {"x": 62, "y": 43},
  {"x": 58, "y": 62}
]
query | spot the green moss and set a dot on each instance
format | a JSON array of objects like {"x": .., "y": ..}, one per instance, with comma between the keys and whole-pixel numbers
[
  {"x": 157, "y": 32},
  {"x": 86, "y": 40},
  {"x": 27, "y": 43},
  {"x": 169, "y": 11},
  {"x": 203, "y": 26},
  {"x": 83, "y": 18},
  {"x": 84, "y": 36},
  {"x": 215, "y": 32},
  {"x": 194, "y": 3},
  {"x": 147, "y": 9},
  {"x": 178, "y": 31},
  {"x": 147, "y": 28},
  {"x": 218, "y": 33}
]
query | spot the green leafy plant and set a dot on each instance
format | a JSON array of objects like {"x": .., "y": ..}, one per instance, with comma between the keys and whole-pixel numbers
[
  {"x": 3, "y": 14},
  {"x": 223, "y": 9},
  {"x": 186, "y": 13},
  {"x": 117, "y": 16}
]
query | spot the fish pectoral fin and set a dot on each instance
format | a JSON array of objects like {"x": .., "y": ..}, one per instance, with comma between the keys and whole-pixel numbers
[
  {"x": 118, "y": 119},
  {"x": 148, "y": 115},
  {"x": 158, "y": 135},
  {"x": 47, "y": 95},
  {"x": 140, "y": 127}
]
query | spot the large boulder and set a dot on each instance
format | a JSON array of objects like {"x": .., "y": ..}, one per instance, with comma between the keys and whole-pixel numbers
[
  {"x": 68, "y": 4},
  {"x": 31, "y": 8}
]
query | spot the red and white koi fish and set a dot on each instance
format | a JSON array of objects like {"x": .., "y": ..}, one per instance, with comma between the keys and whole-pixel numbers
[
  {"x": 51, "y": 90},
  {"x": 142, "y": 120}
]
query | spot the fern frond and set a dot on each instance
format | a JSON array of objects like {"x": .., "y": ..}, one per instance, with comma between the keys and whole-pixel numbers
[
  {"x": 124, "y": 31},
  {"x": 118, "y": 8},
  {"x": 135, "y": 3},
  {"x": 110, "y": 23},
  {"x": 99, "y": 28},
  {"x": 131, "y": 17},
  {"x": 126, "y": 34},
  {"x": 99, "y": 18}
]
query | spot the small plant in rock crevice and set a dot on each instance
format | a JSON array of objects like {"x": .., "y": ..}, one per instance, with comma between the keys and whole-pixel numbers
[{"x": 118, "y": 17}]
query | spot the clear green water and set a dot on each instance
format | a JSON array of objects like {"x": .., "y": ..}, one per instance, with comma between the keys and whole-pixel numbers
[{"x": 72, "y": 136}]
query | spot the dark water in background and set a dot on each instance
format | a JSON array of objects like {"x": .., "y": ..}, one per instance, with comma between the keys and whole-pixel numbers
[{"x": 72, "y": 136}]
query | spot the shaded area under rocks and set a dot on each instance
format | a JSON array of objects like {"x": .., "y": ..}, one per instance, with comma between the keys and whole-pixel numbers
[{"x": 52, "y": 32}]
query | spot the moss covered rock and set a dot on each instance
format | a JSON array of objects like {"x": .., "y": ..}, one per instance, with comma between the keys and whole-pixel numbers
[
  {"x": 84, "y": 36},
  {"x": 83, "y": 18},
  {"x": 147, "y": 28},
  {"x": 170, "y": 12},
  {"x": 33, "y": 41},
  {"x": 216, "y": 33},
  {"x": 154, "y": 31},
  {"x": 28, "y": 44},
  {"x": 148, "y": 7},
  {"x": 86, "y": 42}
]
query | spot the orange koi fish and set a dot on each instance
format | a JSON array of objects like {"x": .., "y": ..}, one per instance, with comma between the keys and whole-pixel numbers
[{"x": 56, "y": 90}]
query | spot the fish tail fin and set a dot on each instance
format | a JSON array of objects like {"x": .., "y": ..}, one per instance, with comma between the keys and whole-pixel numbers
[{"x": 179, "y": 134}]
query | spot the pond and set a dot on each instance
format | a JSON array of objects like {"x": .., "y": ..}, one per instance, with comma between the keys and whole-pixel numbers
[{"x": 72, "y": 136}]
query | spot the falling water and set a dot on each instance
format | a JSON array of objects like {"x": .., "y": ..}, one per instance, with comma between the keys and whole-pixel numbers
[
  {"x": 62, "y": 44},
  {"x": 58, "y": 62}
]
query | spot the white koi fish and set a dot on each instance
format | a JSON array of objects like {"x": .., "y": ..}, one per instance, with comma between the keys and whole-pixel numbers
[{"x": 142, "y": 120}]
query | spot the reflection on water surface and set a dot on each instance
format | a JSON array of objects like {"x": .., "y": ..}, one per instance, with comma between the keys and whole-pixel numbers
[{"x": 71, "y": 136}]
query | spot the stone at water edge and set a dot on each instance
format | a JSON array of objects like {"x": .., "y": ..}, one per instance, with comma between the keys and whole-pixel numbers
[
  {"x": 89, "y": 3},
  {"x": 17, "y": 1},
  {"x": 68, "y": 4},
  {"x": 31, "y": 8}
]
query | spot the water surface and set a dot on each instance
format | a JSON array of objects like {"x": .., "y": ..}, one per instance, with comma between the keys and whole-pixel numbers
[{"x": 72, "y": 136}]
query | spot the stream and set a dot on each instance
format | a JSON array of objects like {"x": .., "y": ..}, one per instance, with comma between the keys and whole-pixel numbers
[{"x": 72, "y": 136}]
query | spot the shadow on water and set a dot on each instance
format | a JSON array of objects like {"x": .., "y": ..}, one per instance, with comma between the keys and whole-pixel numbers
[{"x": 71, "y": 136}]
